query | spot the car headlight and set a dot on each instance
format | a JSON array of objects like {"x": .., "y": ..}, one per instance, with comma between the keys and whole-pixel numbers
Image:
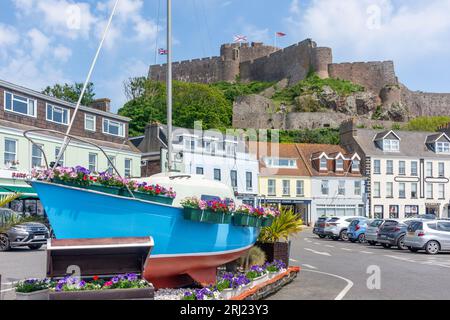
[{"x": 20, "y": 229}]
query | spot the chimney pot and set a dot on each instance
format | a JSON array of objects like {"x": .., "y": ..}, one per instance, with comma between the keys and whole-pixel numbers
[{"x": 101, "y": 104}]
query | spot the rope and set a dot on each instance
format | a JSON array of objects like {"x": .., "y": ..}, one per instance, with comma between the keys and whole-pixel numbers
[{"x": 157, "y": 33}]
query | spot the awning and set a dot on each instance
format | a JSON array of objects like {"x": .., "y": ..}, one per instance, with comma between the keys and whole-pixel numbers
[{"x": 27, "y": 192}]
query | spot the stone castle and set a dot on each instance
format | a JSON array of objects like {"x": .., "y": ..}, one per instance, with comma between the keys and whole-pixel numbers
[{"x": 259, "y": 62}]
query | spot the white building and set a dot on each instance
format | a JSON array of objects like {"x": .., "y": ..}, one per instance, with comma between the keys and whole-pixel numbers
[{"x": 408, "y": 172}]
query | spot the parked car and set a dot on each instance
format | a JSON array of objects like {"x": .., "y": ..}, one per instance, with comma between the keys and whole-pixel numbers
[
  {"x": 372, "y": 231},
  {"x": 392, "y": 233},
  {"x": 319, "y": 227},
  {"x": 431, "y": 236},
  {"x": 30, "y": 234},
  {"x": 357, "y": 230},
  {"x": 336, "y": 227}
]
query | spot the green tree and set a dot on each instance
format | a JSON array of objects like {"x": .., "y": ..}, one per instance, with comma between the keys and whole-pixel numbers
[
  {"x": 431, "y": 124},
  {"x": 71, "y": 92}
]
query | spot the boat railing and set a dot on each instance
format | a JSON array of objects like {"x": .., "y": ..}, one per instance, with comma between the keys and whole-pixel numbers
[{"x": 27, "y": 134}]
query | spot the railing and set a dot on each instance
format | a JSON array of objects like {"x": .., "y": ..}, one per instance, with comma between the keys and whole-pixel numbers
[{"x": 70, "y": 138}]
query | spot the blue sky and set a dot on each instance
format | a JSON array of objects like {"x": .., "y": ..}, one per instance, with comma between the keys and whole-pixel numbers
[{"x": 44, "y": 42}]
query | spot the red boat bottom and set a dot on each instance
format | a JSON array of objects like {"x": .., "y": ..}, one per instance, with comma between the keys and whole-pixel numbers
[{"x": 183, "y": 271}]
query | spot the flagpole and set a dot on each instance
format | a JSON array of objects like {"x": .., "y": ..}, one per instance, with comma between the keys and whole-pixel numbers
[{"x": 169, "y": 84}]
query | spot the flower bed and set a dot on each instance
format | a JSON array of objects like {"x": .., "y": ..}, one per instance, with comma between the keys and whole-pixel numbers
[
  {"x": 33, "y": 289},
  {"x": 215, "y": 212},
  {"x": 257, "y": 275},
  {"x": 247, "y": 216},
  {"x": 275, "y": 268}
]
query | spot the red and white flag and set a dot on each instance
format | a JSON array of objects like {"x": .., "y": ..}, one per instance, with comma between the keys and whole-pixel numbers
[
  {"x": 163, "y": 52},
  {"x": 240, "y": 38},
  {"x": 281, "y": 34}
]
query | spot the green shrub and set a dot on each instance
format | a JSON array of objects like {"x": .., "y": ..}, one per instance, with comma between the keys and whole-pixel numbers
[{"x": 431, "y": 124}]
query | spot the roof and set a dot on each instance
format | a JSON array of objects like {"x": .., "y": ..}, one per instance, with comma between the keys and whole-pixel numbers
[
  {"x": 60, "y": 102},
  {"x": 285, "y": 151},
  {"x": 310, "y": 152},
  {"x": 413, "y": 144},
  {"x": 127, "y": 147}
]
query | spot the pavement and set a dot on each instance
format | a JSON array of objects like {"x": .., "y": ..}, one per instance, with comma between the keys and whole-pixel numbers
[{"x": 331, "y": 270}]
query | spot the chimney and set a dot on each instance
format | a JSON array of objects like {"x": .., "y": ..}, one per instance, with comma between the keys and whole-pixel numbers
[
  {"x": 101, "y": 104},
  {"x": 152, "y": 137}
]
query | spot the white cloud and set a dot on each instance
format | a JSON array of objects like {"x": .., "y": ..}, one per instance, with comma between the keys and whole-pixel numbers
[
  {"x": 62, "y": 53},
  {"x": 8, "y": 35},
  {"x": 39, "y": 42}
]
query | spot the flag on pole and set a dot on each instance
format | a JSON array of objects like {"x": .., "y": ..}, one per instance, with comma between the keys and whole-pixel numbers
[
  {"x": 163, "y": 52},
  {"x": 240, "y": 38},
  {"x": 281, "y": 34}
]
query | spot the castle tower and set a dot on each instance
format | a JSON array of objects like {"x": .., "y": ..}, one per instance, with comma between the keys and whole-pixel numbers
[
  {"x": 230, "y": 56},
  {"x": 322, "y": 57}
]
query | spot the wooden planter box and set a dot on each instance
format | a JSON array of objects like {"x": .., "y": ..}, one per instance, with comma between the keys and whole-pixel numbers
[
  {"x": 205, "y": 216},
  {"x": 117, "y": 294},
  {"x": 244, "y": 220},
  {"x": 33, "y": 296},
  {"x": 149, "y": 197},
  {"x": 108, "y": 190},
  {"x": 276, "y": 251}
]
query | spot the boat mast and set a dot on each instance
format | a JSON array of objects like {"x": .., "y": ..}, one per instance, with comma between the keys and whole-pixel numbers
[{"x": 169, "y": 85}]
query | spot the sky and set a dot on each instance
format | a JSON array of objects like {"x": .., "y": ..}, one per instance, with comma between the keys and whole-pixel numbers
[{"x": 43, "y": 42}]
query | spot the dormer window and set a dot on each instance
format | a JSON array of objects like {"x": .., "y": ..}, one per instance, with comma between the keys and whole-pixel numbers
[
  {"x": 443, "y": 147},
  {"x": 323, "y": 164},
  {"x": 281, "y": 163},
  {"x": 390, "y": 145},
  {"x": 356, "y": 165},
  {"x": 339, "y": 165}
]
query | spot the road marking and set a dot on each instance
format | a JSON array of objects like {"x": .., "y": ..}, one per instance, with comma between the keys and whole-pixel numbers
[
  {"x": 293, "y": 260},
  {"x": 366, "y": 252},
  {"x": 7, "y": 290},
  {"x": 308, "y": 266},
  {"x": 319, "y": 253},
  {"x": 345, "y": 249},
  {"x": 344, "y": 292},
  {"x": 329, "y": 246},
  {"x": 317, "y": 243}
]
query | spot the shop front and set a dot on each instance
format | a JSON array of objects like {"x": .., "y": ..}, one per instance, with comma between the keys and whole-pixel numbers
[{"x": 300, "y": 207}]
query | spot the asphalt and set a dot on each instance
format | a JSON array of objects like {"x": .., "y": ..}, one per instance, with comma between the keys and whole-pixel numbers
[{"x": 330, "y": 270}]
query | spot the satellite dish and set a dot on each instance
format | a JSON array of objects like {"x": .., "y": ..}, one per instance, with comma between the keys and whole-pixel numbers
[{"x": 179, "y": 156}]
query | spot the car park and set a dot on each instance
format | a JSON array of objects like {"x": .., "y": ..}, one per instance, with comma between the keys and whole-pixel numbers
[
  {"x": 357, "y": 230},
  {"x": 319, "y": 227},
  {"x": 431, "y": 236},
  {"x": 372, "y": 231},
  {"x": 392, "y": 233},
  {"x": 336, "y": 227}
]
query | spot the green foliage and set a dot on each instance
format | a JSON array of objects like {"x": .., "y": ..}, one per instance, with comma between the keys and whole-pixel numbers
[
  {"x": 320, "y": 136},
  {"x": 255, "y": 257},
  {"x": 378, "y": 113},
  {"x": 314, "y": 84},
  {"x": 378, "y": 127},
  {"x": 431, "y": 124},
  {"x": 282, "y": 228},
  {"x": 191, "y": 102},
  {"x": 396, "y": 126},
  {"x": 235, "y": 90},
  {"x": 71, "y": 92}
]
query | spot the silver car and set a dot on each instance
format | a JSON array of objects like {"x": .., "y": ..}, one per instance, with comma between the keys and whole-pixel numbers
[
  {"x": 372, "y": 231},
  {"x": 336, "y": 227},
  {"x": 431, "y": 236}
]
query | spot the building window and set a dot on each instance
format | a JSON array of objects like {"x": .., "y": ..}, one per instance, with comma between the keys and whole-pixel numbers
[
  {"x": 414, "y": 170},
  {"x": 441, "y": 191},
  {"x": 339, "y": 165},
  {"x": 356, "y": 166},
  {"x": 281, "y": 163},
  {"x": 57, "y": 114},
  {"x": 442, "y": 147},
  {"x": 113, "y": 128},
  {"x": 393, "y": 212},
  {"x": 231, "y": 149},
  {"x": 323, "y": 164},
  {"x": 233, "y": 176},
  {"x": 441, "y": 169},
  {"x": 414, "y": 190},
  {"x": 357, "y": 188},
  {"x": 19, "y": 104},
  {"x": 200, "y": 171},
  {"x": 111, "y": 163},
  {"x": 36, "y": 156},
  {"x": 325, "y": 187},
  {"x": 93, "y": 162},
  {"x": 271, "y": 187},
  {"x": 429, "y": 191},
  {"x": 90, "y": 122},
  {"x": 341, "y": 188},
  {"x": 390, "y": 167},
  {"x": 286, "y": 188},
  {"x": 189, "y": 144},
  {"x": 300, "y": 188},
  {"x": 429, "y": 169},
  {"x": 249, "y": 181},
  {"x": 390, "y": 145},
  {"x": 10, "y": 154},
  {"x": 217, "y": 175},
  {"x": 61, "y": 161},
  {"x": 378, "y": 212},
  {"x": 377, "y": 167},
  {"x": 377, "y": 190},
  {"x": 402, "y": 190},
  {"x": 389, "y": 190},
  {"x": 411, "y": 211},
  {"x": 402, "y": 168},
  {"x": 128, "y": 167}
]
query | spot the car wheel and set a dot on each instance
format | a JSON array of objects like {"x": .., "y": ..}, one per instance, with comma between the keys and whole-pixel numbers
[
  {"x": 343, "y": 235},
  {"x": 413, "y": 249},
  {"x": 362, "y": 238},
  {"x": 5, "y": 245},
  {"x": 335, "y": 238},
  {"x": 322, "y": 237},
  {"x": 35, "y": 246},
  {"x": 432, "y": 247},
  {"x": 401, "y": 243},
  {"x": 386, "y": 246}
]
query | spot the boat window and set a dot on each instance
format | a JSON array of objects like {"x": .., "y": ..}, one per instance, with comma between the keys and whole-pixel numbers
[{"x": 210, "y": 198}]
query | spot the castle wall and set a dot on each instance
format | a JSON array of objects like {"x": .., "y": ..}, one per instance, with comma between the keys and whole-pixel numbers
[
  {"x": 425, "y": 103},
  {"x": 372, "y": 75},
  {"x": 293, "y": 63}
]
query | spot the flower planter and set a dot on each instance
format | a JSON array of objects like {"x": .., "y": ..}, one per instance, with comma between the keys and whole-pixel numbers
[
  {"x": 245, "y": 220},
  {"x": 33, "y": 296},
  {"x": 276, "y": 251},
  {"x": 70, "y": 184},
  {"x": 260, "y": 280},
  {"x": 244, "y": 289},
  {"x": 204, "y": 216},
  {"x": 109, "y": 190},
  {"x": 116, "y": 294},
  {"x": 267, "y": 222},
  {"x": 149, "y": 197},
  {"x": 272, "y": 275},
  {"x": 227, "y": 294}
]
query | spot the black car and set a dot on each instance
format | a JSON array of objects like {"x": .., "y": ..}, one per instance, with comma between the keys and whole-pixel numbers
[
  {"x": 392, "y": 233},
  {"x": 319, "y": 227}
]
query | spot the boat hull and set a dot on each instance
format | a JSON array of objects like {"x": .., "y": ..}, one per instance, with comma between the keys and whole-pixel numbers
[{"x": 182, "y": 247}]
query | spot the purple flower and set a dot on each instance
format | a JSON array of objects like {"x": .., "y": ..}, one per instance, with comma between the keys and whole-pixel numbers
[{"x": 115, "y": 280}]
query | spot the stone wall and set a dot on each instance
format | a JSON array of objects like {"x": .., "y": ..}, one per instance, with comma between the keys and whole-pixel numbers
[
  {"x": 425, "y": 103},
  {"x": 374, "y": 76}
]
